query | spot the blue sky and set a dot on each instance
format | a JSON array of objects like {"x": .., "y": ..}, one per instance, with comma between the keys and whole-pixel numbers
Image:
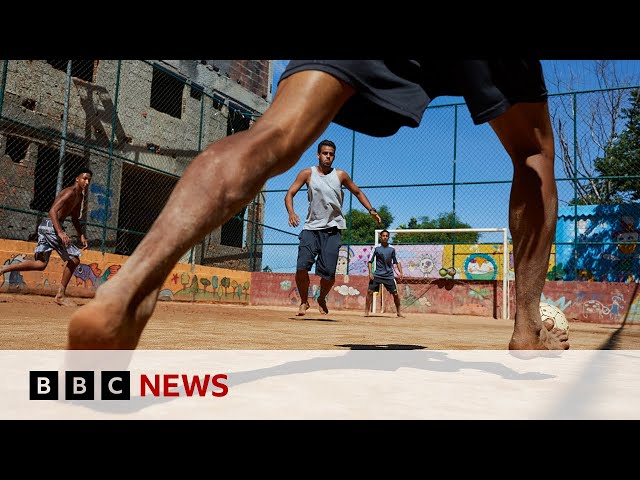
[{"x": 425, "y": 155}]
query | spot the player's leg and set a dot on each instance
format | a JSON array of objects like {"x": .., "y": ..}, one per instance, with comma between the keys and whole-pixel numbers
[
  {"x": 392, "y": 288},
  {"x": 526, "y": 133},
  {"x": 39, "y": 262},
  {"x": 302, "y": 282},
  {"x": 368, "y": 301},
  {"x": 307, "y": 251},
  {"x": 224, "y": 178},
  {"x": 330, "y": 243},
  {"x": 69, "y": 268}
]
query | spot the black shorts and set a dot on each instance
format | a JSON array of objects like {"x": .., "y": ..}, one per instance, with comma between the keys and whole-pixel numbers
[
  {"x": 395, "y": 93},
  {"x": 324, "y": 244},
  {"x": 389, "y": 284}
]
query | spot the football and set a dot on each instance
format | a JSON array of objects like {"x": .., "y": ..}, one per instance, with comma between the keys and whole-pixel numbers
[{"x": 553, "y": 313}]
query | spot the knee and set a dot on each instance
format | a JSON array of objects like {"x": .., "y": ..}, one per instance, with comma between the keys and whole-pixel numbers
[{"x": 73, "y": 262}]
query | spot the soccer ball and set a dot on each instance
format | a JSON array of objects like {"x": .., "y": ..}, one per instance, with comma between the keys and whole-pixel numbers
[
  {"x": 442, "y": 272},
  {"x": 553, "y": 313}
]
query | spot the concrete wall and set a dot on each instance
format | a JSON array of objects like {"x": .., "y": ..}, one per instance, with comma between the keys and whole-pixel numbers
[
  {"x": 591, "y": 302},
  {"x": 185, "y": 282}
]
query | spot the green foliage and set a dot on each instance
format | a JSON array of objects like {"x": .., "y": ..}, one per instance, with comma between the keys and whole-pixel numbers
[
  {"x": 363, "y": 225},
  {"x": 556, "y": 273},
  {"x": 444, "y": 220},
  {"x": 622, "y": 158}
]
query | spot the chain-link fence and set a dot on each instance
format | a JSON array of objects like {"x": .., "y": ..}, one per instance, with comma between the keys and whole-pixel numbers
[
  {"x": 138, "y": 125},
  {"x": 450, "y": 173}
]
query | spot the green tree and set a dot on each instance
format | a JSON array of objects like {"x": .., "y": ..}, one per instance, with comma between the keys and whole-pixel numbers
[
  {"x": 194, "y": 287},
  {"x": 363, "y": 225},
  {"x": 205, "y": 283},
  {"x": 622, "y": 158},
  {"x": 600, "y": 117},
  {"x": 444, "y": 220}
]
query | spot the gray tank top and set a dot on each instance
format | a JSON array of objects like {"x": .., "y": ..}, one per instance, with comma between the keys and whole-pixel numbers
[{"x": 325, "y": 201}]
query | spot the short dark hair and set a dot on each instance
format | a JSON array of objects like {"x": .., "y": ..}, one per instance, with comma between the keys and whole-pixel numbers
[
  {"x": 384, "y": 231},
  {"x": 326, "y": 143},
  {"x": 85, "y": 170}
]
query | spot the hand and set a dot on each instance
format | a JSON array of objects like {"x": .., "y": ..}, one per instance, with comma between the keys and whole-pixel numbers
[
  {"x": 65, "y": 239},
  {"x": 85, "y": 244},
  {"x": 294, "y": 220},
  {"x": 371, "y": 276},
  {"x": 377, "y": 217}
]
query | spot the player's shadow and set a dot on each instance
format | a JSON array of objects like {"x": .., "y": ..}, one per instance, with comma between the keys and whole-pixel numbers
[
  {"x": 389, "y": 346},
  {"x": 313, "y": 319},
  {"x": 355, "y": 359}
]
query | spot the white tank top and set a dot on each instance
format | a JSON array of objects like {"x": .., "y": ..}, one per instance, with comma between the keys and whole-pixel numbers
[{"x": 325, "y": 201}]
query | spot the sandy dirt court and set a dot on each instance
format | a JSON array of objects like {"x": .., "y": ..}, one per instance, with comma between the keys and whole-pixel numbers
[{"x": 33, "y": 322}]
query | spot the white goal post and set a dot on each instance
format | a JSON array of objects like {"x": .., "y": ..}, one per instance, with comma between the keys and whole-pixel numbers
[{"x": 505, "y": 256}]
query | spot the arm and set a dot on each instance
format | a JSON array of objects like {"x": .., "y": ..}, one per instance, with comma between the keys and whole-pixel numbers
[
  {"x": 56, "y": 211},
  {"x": 398, "y": 265},
  {"x": 359, "y": 194},
  {"x": 370, "y": 263},
  {"x": 75, "y": 220},
  {"x": 301, "y": 179}
]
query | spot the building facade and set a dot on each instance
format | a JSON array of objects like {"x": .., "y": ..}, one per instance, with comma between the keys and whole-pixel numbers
[{"x": 137, "y": 124}]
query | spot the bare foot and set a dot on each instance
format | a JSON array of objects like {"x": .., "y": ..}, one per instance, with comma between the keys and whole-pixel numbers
[
  {"x": 322, "y": 305},
  {"x": 108, "y": 323},
  {"x": 303, "y": 309},
  {"x": 366, "y": 314},
  {"x": 65, "y": 302},
  {"x": 545, "y": 338},
  {"x": 400, "y": 315}
]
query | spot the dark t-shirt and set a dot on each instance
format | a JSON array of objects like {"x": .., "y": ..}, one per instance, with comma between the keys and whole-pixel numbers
[{"x": 384, "y": 257}]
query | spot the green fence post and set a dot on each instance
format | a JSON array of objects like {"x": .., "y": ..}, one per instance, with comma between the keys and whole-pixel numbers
[
  {"x": 107, "y": 193},
  {"x": 252, "y": 263},
  {"x": 199, "y": 150},
  {"x": 353, "y": 155},
  {"x": 5, "y": 67},
  {"x": 455, "y": 158},
  {"x": 575, "y": 186}
]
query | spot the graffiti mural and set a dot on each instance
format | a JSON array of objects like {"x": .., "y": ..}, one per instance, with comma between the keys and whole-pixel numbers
[
  {"x": 13, "y": 280},
  {"x": 91, "y": 275},
  {"x": 102, "y": 199},
  {"x": 611, "y": 254},
  {"x": 200, "y": 286}
]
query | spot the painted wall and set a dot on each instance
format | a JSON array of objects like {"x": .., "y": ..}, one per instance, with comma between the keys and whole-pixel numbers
[
  {"x": 184, "y": 283},
  {"x": 593, "y": 302},
  {"x": 448, "y": 296},
  {"x": 611, "y": 262}
]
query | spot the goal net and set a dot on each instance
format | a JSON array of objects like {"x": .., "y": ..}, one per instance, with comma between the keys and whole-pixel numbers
[{"x": 451, "y": 254}]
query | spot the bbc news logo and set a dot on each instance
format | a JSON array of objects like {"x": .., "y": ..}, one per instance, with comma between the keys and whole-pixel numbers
[{"x": 116, "y": 385}]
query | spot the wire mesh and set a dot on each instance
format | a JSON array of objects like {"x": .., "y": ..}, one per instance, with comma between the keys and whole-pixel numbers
[{"x": 138, "y": 124}]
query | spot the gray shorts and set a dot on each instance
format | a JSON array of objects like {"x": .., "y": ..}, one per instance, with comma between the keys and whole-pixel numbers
[
  {"x": 389, "y": 284},
  {"x": 395, "y": 93},
  {"x": 324, "y": 244},
  {"x": 48, "y": 240}
]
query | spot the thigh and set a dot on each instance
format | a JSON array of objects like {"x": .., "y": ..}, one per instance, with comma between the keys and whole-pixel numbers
[
  {"x": 307, "y": 249},
  {"x": 42, "y": 256},
  {"x": 304, "y": 105},
  {"x": 373, "y": 285},
  {"x": 525, "y": 129},
  {"x": 391, "y": 286},
  {"x": 330, "y": 244}
]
